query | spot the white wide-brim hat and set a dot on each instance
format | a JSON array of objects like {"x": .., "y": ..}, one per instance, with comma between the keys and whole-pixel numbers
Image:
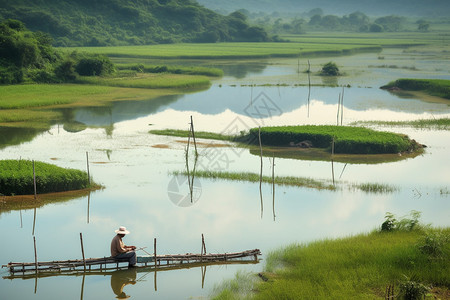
[{"x": 122, "y": 230}]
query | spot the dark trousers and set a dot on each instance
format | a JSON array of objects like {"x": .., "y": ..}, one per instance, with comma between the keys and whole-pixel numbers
[{"x": 130, "y": 255}]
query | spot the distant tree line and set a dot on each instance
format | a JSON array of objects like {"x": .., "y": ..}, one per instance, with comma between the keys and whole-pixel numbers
[
  {"x": 27, "y": 56},
  {"x": 315, "y": 20},
  {"x": 129, "y": 22}
]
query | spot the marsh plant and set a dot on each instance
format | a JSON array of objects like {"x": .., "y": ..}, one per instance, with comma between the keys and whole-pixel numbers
[{"x": 403, "y": 224}]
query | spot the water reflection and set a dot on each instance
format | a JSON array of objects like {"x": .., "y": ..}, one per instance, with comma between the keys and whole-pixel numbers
[{"x": 120, "y": 279}]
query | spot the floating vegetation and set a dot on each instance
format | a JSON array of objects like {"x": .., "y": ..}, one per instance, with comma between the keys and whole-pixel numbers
[
  {"x": 435, "y": 124},
  {"x": 375, "y": 188},
  {"x": 253, "y": 177}
]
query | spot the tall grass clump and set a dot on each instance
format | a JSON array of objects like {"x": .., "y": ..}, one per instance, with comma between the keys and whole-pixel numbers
[
  {"x": 347, "y": 139},
  {"x": 16, "y": 178}
]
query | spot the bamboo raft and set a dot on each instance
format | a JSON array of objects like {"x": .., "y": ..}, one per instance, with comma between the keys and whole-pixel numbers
[{"x": 150, "y": 261}]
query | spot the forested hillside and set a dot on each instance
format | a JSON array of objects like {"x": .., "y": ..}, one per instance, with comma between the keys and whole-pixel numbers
[
  {"x": 125, "y": 22},
  {"x": 418, "y": 8}
]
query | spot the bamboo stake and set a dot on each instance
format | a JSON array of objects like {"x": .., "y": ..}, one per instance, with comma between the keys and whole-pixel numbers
[
  {"x": 193, "y": 136},
  {"x": 87, "y": 163},
  {"x": 82, "y": 251},
  {"x": 342, "y": 105},
  {"x": 34, "y": 220},
  {"x": 82, "y": 287},
  {"x": 35, "y": 255},
  {"x": 203, "y": 275},
  {"x": 332, "y": 164},
  {"x": 260, "y": 174},
  {"x": 338, "y": 110},
  {"x": 34, "y": 182},
  {"x": 154, "y": 250},
  {"x": 273, "y": 186},
  {"x": 309, "y": 84},
  {"x": 89, "y": 202}
]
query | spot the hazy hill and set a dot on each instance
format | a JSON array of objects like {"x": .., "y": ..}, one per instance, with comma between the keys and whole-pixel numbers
[
  {"x": 122, "y": 22},
  {"x": 340, "y": 7}
]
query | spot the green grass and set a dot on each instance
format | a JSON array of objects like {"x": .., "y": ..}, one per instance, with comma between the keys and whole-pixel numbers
[
  {"x": 205, "y": 71},
  {"x": 29, "y": 105},
  {"x": 357, "y": 267},
  {"x": 227, "y": 50},
  {"x": 253, "y": 177},
  {"x": 435, "y": 124},
  {"x": 434, "y": 87},
  {"x": 150, "y": 81},
  {"x": 16, "y": 178}
]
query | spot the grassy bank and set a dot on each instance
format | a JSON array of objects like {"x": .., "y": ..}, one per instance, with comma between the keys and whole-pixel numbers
[
  {"x": 357, "y": 267},
  {"x": 143, "y": 68},
  {"x": 31, "y": 104},
  {"x": 434, "y": 87},
  {"x": 16, "y": 178}
]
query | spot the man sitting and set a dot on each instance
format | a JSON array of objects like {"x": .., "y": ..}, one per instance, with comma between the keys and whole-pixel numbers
[{"x": 121, "y": 251}]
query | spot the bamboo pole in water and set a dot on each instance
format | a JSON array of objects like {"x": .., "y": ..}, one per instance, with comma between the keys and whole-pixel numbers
[
  {"x": 82, "y": 251},
  {"x": 193, "y": 136},
  {"x": 34, "y": 182},
  {"x": 332, "y": 164},
  {"x": 309, "y": 84},
  {"x": 35, "y": 255},
  {"x": 342, "y": 105},
  {"x": 273, "y": 186},
  {"x": 260, "y": 174},
  {"x": 338, "y": 110},
  {"x": 87, "y": 164}
]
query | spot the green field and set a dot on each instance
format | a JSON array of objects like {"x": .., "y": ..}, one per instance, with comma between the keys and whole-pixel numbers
[
  {"x": 16, "y": 178},
  {"x": 301, "y": 45},
  {"x": 357, "y": 267}
]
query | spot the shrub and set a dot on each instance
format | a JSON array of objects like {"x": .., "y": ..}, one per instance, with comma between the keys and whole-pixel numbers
[
  {"x": 94, "y": 66},
  {"x": 434, "y": 243},
  {"x": 330, "y": 69},
  {"x": 411, "y": 289},
  {"x": 403, "y": 224}
]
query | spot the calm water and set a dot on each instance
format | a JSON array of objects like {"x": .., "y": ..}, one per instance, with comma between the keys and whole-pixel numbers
[{"x": 140, "y": 191}]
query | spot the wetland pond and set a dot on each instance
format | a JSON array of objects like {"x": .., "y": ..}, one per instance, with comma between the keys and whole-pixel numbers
[{"x": 141, "y": 193}]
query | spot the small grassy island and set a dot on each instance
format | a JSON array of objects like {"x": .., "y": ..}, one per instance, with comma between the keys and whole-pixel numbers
[
  {"x": 16, "y": 178},
  {"x": 434, "y": 87},
  {"x": 347, "y": 139}
]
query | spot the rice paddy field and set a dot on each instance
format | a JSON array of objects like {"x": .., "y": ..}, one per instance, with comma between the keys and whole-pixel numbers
[{"x": 299, "y": 45}]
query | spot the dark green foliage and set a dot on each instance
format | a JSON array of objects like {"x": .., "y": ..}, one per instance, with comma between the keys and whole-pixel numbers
[
  {"x": 29, "y": 56},
  {"x": 435, "y": 244},
  {"x": 125, "y": 22},
  {"x": 352, "y": 140},
  {"x": 330, "y": 69},
  {"x": 412, "y": 289},
  {"x": 16, "y": 177},
  {"x": 403, "y": 224},
  {"x": 94, "y": 66},
  {"x": 435, "y": 87}
]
